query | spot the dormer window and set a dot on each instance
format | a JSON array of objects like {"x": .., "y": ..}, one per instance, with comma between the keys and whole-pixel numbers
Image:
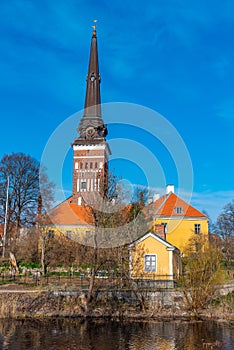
[{"x": 178, "y": 210}]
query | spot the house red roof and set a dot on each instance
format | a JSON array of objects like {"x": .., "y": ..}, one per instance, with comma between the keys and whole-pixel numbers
[
  {"x": 67, "y": 213},
  {"x": 172, "y": 205},
  {"x": 169, "y": 205}
]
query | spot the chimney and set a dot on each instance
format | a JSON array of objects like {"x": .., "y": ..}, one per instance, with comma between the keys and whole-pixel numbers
[
  {"x": 160, "y": 230},
  {"x": 156, "y": 196},
  {"x": 170, "y": 188}
]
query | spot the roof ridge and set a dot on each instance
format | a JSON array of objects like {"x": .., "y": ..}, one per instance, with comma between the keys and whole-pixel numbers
[
  {"x": 49, "y": 211},
  {"x": 163, "y": 202}
]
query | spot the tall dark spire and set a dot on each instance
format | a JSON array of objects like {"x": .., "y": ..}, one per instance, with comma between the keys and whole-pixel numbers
[
  {"x": 91, "y": 125},
  {"x": 92, "y": 97},
  {"x": 91, "y": 151}
]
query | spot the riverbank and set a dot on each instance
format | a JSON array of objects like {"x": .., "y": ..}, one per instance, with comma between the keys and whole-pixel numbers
[{"x": 19, "y": 303}]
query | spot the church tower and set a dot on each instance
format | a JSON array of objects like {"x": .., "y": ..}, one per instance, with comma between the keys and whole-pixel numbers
[{"x": 91, "y": 151}]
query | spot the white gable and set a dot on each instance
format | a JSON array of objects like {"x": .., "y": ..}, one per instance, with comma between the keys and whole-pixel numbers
[{"x": 157, "y": 238}]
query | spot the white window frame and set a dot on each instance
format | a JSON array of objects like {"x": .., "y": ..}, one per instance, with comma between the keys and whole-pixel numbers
[
  {"x": 68, "y": 234},
  {"x": 151, "y": 267},
  {"x": 178, "y": 210},
  {"x": 197, "y": 228}
]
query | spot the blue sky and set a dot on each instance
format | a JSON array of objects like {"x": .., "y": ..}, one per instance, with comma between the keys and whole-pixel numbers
[{"x": 175, "y": 57}]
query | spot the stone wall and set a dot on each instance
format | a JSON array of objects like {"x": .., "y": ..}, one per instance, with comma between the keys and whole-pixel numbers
[{"x": 164, "y": 298}]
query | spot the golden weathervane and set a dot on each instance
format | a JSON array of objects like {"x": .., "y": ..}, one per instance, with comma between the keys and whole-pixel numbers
[{"x": 94, "y": 26}]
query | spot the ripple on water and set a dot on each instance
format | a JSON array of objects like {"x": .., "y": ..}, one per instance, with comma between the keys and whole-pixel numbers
[{"x": 75, "y": 335}]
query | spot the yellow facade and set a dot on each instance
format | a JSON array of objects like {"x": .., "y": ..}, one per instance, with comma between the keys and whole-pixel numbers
[
  {"x": 167, "y": 258},
  {"x": 80, "y": 234},
  {"x": 179, "y": 231}
]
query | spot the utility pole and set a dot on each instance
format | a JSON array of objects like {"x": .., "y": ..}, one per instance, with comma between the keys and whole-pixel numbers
[{"x": 5, "y": 221}]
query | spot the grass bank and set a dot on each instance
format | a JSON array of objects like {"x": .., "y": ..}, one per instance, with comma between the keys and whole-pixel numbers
[{"x": 36, "y": 303}]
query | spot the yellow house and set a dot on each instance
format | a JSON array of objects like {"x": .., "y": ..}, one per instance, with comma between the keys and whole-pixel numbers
[
  {"x": 182, "y": 221},
  {"x": 73, "y": 221},
  {"x": 153, "y": 258}
]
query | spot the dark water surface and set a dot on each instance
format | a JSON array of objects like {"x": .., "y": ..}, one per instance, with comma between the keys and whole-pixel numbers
[{"x": 70, "y": 334}]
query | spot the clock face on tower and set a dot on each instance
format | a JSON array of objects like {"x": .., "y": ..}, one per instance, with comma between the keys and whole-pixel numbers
[{"x": 90, "y": 132}]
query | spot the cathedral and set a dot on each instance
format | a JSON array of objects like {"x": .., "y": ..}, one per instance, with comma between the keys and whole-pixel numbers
[{"x": 90, "y": 175}]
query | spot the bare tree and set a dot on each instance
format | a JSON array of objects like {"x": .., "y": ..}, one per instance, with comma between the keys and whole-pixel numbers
[
  {"x": 103, "y": 218},
  {"x": 24, "y": 190},
  {"x": 26, "y": 248},
  {"x": 115, "y": 224},
  {"x": 224, "y": 227}
]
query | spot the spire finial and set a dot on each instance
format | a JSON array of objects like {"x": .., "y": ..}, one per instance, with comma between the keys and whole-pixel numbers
[{"x": 94, "y": 26}]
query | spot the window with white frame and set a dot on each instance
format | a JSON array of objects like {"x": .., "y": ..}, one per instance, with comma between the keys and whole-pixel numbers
[
  {"x": 68, "y": 234},
  {"x": 178, "y": 210},
  {"x": 197, "y": 228},
  {"x": 150, "y": 263}
]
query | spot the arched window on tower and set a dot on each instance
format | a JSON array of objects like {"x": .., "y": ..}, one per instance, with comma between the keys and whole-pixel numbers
[{"x": 83, "y": 185}]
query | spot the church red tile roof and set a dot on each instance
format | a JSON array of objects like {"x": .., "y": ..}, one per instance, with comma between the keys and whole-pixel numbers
[{"x": 67, "y": 213}]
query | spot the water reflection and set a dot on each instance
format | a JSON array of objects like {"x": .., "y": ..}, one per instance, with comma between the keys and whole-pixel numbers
[{"x": 72, "y": 334}]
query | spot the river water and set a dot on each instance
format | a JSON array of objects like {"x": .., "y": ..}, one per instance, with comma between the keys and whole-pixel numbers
[{"x": 72, "y": 334}]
